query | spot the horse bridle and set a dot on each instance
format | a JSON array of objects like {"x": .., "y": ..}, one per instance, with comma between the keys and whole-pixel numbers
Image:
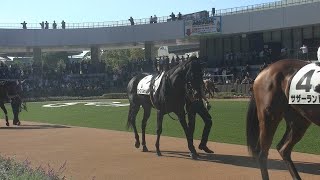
[{"x": 189, "y": 88}]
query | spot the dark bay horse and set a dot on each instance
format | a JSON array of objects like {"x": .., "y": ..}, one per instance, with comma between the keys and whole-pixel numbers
[
  {"x": 270, "y": 103},
  {"x": 170, "y": 97},
  {"x": 9, "y": 92}
]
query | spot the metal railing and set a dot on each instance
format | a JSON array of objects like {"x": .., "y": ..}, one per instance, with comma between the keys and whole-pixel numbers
[
  {"x": 221, "y": 12},
  {"x": 263, "y": 6}
]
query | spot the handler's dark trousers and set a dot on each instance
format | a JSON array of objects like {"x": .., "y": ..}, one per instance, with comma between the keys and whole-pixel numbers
[
  {"x": 198, "y": 107},
  {"x": 15, "y": 104}
]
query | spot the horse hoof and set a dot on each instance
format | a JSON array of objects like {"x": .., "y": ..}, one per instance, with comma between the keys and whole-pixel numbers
[
  {"x": 194, "y": 153},
  {"x": 17, "y": 123},
  {"x": 194, "y": 156},
  {"x": 137, "y": 144},
  {"x": 159, "y": 153},
  {"x": 7, "y": 124},
  {"x": 145, "y": 149}
]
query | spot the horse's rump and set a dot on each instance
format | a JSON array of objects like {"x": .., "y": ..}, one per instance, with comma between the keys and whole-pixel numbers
[{"x": 286, "y": 90}]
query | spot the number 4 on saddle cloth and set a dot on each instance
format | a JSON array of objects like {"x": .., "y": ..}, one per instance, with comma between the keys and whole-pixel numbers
[
  {"x": 144, "y": 85},
  {"x": 305, "y": 85}
]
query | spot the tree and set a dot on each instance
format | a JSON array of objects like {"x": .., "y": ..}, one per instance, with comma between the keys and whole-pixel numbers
[
  {"x": 117, "y": 59},
  {"x": 137, "y": 53},
  {"x": 51, "y": 59}
]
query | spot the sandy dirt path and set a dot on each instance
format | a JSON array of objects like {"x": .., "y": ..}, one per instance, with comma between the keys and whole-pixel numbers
[{"x": 108, "y": 155}]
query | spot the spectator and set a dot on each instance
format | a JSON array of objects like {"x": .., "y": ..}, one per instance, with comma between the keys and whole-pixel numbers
[
  {"x": 131, "y": 21},
  {"x": 42, "y": 25},
  {"x": 47, "y": 25},
  {"x": 304, "y": 50},
  {"x": 155, "y": 65},
  {"x": 151, "y": 19},
  {"x": 283, "y": 53},
  {"x": 155, "y": 19},
  {"x": 246, "y": 80},
  {"x": 264, "y": 65},
  {"x": 179, "y": 16},
  {"x": 63, "y": 24},
  {"x": 54, "y": 25},
  {"x": 24, "y": 25},
  {"x": 173, "y": 16}
]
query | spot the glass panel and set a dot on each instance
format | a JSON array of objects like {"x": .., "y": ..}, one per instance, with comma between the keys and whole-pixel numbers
[
  {"x": 307, "y": 32},
  {"x": 276, "y": 36},
  {"x": 266, "y": 36},
  {"x": 317, "y": 31}
]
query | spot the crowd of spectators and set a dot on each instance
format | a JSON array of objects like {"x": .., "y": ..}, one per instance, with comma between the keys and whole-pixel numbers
[
  {"x": 45, "y": 25},
  {"x": 85, "y": 78}
]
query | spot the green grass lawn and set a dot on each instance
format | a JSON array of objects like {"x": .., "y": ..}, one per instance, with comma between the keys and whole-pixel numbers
[{"x": 228, "y": 122}]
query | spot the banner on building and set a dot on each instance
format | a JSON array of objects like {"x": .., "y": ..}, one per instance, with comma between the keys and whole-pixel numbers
[{"x": 203, "y": 26}]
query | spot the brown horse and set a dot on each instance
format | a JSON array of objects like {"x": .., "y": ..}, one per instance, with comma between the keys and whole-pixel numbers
[
  {"x": 209, "y": 87},
  {"x": 269, "y": 104}
]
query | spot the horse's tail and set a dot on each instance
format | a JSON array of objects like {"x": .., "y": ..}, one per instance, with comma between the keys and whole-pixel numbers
[{"x": 253, "y": 128}]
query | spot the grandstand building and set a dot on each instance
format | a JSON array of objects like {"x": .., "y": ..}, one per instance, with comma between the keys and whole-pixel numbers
[
  {"x": 236, "y": 34},
  {"x": 282, "y": 26}
]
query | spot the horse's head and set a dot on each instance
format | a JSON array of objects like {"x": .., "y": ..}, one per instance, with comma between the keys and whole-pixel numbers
[{"x": 194, "y": 74}]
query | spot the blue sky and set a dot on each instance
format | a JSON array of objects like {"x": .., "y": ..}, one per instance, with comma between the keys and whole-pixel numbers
[{"x": 76, "y": 11}]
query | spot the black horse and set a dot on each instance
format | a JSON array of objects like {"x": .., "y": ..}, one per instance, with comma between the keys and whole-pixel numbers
[
  {"x": 9, "y": 92},
  {"x": 170, "y": 97}
]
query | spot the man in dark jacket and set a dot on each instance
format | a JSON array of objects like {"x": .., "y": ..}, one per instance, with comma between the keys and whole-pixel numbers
[{"x": 194, "y": 104}]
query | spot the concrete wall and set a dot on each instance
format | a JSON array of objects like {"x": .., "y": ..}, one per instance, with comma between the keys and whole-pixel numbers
[
  {"x": 92, "y": 36},
  {"x": 292, "y": 16}
]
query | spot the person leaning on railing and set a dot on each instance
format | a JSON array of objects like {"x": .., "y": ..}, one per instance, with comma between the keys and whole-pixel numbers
[
  {"x": 63, "y": 24},
  {"x": 155, "y": 19},
  {"x": 131, "y": 21}
]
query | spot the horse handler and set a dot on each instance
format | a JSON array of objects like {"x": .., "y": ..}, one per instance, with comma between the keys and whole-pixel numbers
[{"x": 194, "y": 105}]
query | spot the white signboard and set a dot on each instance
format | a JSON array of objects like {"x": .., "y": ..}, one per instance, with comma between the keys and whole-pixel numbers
[
  {"x": 203, "y": 26},
  {"x": 303, "y": 84}
]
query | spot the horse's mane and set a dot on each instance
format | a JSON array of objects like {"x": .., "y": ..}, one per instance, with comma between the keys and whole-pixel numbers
[{"x": 180, "y": 65}]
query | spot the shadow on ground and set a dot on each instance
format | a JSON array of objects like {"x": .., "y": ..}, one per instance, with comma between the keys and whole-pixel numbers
[
  {"x": 245, "y": 161},
  {"x": 40, "y": 126}
]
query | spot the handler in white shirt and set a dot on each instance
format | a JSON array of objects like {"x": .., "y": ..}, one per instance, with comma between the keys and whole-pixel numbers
[{"x": 304, "y": 50}]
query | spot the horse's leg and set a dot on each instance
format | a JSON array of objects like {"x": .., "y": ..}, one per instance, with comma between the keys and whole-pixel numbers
[
  {"x": 188, "y": 132},
  {"x": 284, "y": 138},
  {"x": 133, "y": 111},
  {"x": 159, "y": 131},
  {"x": 207, "y": 92},
  {"x": 5, "y": 112},
  {"x": 211, "y": 92},
  {"x": 146, "y": 115},
  {"x": 298, "y": 126},
  {"x": 269, "y": 120}
]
